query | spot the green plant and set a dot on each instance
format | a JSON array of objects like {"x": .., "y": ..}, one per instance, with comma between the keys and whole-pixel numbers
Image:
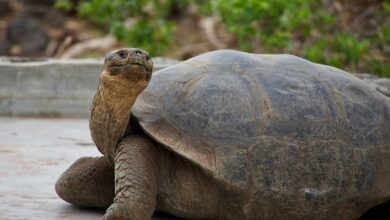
[
  {"x": 263, "y": 25},
  {"x": 306, "y": 28},
  {"x": 139, "y": 23},
  {"x": 66, "y": 5}
]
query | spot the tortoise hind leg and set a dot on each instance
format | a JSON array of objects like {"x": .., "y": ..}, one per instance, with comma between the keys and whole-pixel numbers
[
  {"x": 88, "y": 182},
  {"x": 186, "y": 191}
]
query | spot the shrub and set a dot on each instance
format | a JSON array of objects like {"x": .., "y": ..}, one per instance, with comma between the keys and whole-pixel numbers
[
  {"x": 308, "y": 28},
  {"x": 313, "y": 29},
  {"x": 140, "y": 23}
]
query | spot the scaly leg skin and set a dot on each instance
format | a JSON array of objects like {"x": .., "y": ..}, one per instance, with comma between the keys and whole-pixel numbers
[
  {"x": 184, "y": 190},
  {"x": 88, "y": 182},
  {"x": 136, "y": 180}
]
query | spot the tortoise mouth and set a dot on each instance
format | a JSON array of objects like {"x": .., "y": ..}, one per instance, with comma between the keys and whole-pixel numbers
[
  {"x": 131, "y": 65},
  {"x": 134, "y": 71}
]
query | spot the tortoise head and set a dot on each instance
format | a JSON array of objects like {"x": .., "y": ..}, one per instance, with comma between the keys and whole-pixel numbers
[
  {"x": 126, "y": 73},
  {"x": 131, "y": 64}
]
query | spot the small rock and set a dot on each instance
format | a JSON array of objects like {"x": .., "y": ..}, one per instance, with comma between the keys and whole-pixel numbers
[{"x": 26, "y": 33}]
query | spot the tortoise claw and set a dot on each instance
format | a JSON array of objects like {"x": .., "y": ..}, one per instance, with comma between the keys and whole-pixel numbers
[{"x": 118, "y": 211}]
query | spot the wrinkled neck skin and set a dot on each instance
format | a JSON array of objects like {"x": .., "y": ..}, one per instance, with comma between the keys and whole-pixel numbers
[{"x": 110, "y": 112}]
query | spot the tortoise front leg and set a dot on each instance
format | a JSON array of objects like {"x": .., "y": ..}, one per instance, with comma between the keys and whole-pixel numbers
[
  {"x": 88, "y": 182},
  {"x": 136, "y": 181}
]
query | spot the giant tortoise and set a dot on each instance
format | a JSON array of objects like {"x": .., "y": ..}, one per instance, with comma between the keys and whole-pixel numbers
[{"x": 233, "y": 135}]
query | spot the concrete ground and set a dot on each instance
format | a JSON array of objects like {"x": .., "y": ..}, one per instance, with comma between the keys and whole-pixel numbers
[{"x": 33, "y": 154}]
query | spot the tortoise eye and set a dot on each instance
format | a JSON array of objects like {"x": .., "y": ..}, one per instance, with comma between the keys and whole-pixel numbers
[{"x": 122, "y": 54}]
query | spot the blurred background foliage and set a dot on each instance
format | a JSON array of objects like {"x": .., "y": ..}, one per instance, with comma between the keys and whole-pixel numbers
[{"x": 353, "y": 35}]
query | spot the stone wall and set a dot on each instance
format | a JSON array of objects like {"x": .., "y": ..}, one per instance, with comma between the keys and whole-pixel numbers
[{"x": 51, "y": 87}]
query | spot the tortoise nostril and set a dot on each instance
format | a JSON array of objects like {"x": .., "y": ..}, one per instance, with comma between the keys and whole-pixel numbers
[
  {"x": 142, "y": 54},
  {"x": 122, "y": 54}
]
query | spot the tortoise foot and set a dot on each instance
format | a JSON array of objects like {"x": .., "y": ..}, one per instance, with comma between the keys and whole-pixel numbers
[
  {"x": 88, "y": 182},
  {"x": 118, "y": 211}
]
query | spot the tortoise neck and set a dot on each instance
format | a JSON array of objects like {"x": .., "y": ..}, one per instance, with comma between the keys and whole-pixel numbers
[{"x": 110, "y": 112}]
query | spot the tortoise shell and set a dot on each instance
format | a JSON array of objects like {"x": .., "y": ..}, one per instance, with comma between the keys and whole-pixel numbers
[{"x": 278, "y": 126}]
